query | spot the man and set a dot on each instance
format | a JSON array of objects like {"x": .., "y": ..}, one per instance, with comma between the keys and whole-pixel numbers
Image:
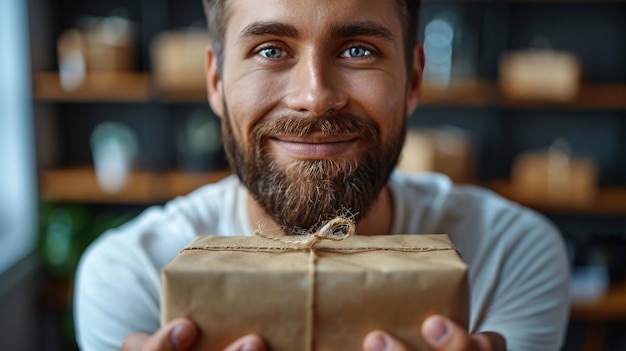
[{"x": 314, "y": 97}]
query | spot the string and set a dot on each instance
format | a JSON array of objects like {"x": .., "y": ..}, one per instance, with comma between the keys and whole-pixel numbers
[
  {"x": 339, "y": 228},
  {"x": 310, "y": 311}
]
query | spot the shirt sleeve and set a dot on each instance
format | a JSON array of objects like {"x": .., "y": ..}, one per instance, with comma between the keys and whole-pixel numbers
[
  {"x": 117, "y": 285},
  {"x": 529, "y": 305}
]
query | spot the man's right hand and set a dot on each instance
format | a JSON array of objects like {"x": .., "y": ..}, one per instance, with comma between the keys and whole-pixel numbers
[{"x": 179, "y": 335}]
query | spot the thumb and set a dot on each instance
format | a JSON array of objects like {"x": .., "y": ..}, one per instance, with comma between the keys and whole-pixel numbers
[
  {"x": 379, "y": 340},
  {"x": 176, "y": 335},
  {"x": 444, "y": 335}
]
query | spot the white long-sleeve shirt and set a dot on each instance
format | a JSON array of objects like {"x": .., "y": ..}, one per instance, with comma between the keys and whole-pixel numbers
[{"x": 518, "y": 270}]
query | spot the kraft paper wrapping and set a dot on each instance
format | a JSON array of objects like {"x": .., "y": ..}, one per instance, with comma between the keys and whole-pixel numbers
[{"x": 326, "y": 300}]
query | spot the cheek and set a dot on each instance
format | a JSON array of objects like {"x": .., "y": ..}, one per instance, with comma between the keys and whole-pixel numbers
[
  {"x": 250, "y": 97},
  {"x": 383, "y": 99}
]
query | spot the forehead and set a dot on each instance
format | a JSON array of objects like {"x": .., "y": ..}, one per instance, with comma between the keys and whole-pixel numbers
[{"x": 312, "y": 16}]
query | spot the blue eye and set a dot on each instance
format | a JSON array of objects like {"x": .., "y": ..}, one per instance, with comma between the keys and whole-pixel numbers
[
  {"x": 271, "y": 52},
  {"x": 356, "y": 52}
]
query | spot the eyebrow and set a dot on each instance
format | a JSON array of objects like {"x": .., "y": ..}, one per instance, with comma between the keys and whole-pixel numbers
[
  {"x": 364, "y": 28},
  {"x": 347, "y": 30},
  {"x": 269, "y": 28}
]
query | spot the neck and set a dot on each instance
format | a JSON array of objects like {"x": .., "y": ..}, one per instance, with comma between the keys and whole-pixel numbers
[{"x": 377, "y": 221}]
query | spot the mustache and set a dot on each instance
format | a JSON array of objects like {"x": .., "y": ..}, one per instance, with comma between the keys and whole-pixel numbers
[{"x": 328, "y": 124}]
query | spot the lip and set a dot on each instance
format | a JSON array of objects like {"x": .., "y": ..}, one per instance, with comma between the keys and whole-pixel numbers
[{"x": 315, "y": 146}]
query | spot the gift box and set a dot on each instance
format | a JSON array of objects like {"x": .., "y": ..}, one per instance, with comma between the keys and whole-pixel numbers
[{"x": 327, "y": 296}]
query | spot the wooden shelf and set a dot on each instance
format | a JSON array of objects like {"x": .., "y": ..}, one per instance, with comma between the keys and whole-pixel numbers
[
  {"x": 474, "y": 93},
  {"x": 181, "y": 183},
  {"x": 81, "y": 185},
  {"x": 590, "y": 96},
  {"x": 136, "y": 87},
  {"x": 118, "y": 87},
  {"x": 609, "y": 201},
  {"x": 611, "y": 306}
]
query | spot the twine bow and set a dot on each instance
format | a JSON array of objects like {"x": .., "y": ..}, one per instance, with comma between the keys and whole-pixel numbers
[{"x": 337, "y": 229}]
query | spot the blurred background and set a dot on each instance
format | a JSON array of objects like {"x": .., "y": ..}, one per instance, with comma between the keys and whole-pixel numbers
[{"x": 103, "y": 113}]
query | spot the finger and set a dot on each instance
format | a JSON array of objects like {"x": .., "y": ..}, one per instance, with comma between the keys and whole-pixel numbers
[
  {"x": 247, "y": 343},
  {"x": 444, "y": 335},
  {"x": 134, "y": 341},
  {"x": 489, "y": 341},
  {"x": 378, "y": 340},
  {"x": 176, "y": 335}
]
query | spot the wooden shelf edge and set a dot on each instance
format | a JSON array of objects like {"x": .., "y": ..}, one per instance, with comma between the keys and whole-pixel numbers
[
  {"x": 81, "y": 185},
  {"x": 105, "y": 87},
  {"x": 470, "y": 93},
  {"x": 137, "y": 87},
  {"x": 608, "y": 202},
  {"x": 610, "y": 306},
  {"x": 590, "y": 96}
]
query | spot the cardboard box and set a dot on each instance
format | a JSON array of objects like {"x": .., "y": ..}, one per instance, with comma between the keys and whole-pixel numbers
[
  {"x": 543, "y": 75},
  {"x": 446, "y": 150},
  {"x": 549, "y": 177},
  {"x": 178, "y": 60},
  {"x": 326, "y": 300}
]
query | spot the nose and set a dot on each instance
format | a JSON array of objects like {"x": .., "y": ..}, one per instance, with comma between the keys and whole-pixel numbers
[{"x": 314, "y": 88}]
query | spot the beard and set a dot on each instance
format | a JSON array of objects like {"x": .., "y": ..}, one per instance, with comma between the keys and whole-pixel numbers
[{"x": 302, "y": 196}]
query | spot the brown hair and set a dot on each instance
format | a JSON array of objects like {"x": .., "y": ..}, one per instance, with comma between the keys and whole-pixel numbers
[{"x": 217, "y": 16}]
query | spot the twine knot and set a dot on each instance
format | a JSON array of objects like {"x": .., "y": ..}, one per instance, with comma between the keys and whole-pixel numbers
[{"x": 337, "y": 229}]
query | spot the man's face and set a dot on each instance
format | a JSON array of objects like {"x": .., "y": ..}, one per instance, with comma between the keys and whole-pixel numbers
[{"x": 313, "y": 99}]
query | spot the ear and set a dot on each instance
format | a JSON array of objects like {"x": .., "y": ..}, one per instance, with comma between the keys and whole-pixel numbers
[
  {"x": 415, "y": 84},
  {"x": 214, "y": 83}
]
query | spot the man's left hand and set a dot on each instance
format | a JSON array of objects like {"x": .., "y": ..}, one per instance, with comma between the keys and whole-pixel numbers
[{"x": 442, "y": 334}]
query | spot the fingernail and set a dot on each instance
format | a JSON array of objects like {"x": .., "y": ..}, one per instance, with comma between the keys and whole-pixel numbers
[
  {"x": 249, "y": 347},
  {"x": 251, "y": 344},
  {"x": 436, "y": 331},
  {"x": 377, "y": 341},
  {"x": 181, "y": 336}
]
